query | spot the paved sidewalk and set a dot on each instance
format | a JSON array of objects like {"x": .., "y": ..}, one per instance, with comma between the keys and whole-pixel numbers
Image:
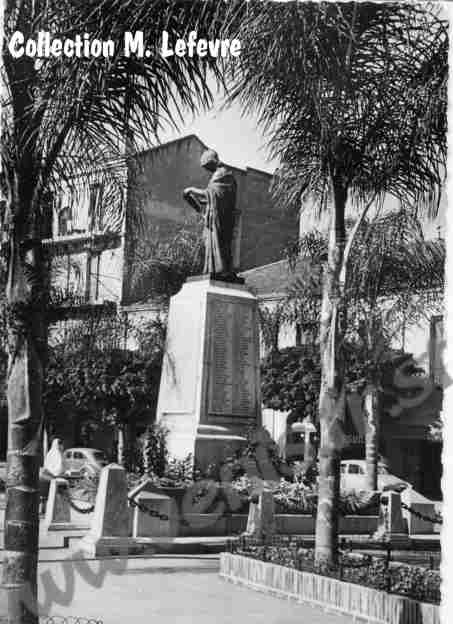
[{"x": 170, "y": 590}]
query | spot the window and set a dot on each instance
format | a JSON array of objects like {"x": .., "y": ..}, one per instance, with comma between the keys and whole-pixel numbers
[
  {"x": 68, "y": 454},
  {"x": 96, "y": 211},
  {"x": 78, "y": 455},
  {"x": 298, "y": 335},
  {"x": 65, "y": 221},
  {"x": 342, "y": 469},
  {"x": 99, "y": 456},
  {"x": 355, "y": 469},
  {"x": 95, "y": 263}
]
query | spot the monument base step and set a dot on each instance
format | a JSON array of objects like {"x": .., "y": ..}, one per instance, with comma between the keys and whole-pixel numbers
[
  {"x": 68, "y": 527},
  {"x": 128, "y": 546},
  {"x": 398, "y": 540}
]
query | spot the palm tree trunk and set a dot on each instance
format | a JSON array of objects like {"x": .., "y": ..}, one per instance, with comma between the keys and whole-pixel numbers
[
  {"x": 332, "y": 394},
  {"x": 371, "y": 409},
  {"x": 27, "y": 348}
]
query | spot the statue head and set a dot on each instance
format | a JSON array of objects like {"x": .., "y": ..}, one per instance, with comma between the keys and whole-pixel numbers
[
  {"x": 209, "y": 160},
  {"x": 56, "y": 444}
]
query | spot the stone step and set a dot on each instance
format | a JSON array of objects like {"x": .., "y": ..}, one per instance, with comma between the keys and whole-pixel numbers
[
  {"x": 147, "y": 546},
  {"x": 55, "y": 539}
]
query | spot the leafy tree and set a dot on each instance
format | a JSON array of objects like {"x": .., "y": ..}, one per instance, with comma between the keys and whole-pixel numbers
[
  {"x": 95, "y": 382},
  {"x": 353, "y": 97},
  {"x": 63, "y": 120},
  {"x": 290, "y": 383}
]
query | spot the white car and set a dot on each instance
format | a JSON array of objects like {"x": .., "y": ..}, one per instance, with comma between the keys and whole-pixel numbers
[
  {"x": 84, "y": 462},
  {"x": 353, "y": 477}
]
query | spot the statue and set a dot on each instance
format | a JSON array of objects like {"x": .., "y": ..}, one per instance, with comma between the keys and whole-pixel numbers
[
  {"x": 54, "y": 463},
  {"x": 54, "y": 467},
  {"x": 217, "y": 202}
]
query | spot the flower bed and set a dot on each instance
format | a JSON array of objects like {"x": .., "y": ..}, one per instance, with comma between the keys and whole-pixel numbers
[
  {"x": 373, "y": 606},
  {"x": 379, "y": 573},
  {"x": 291, "y": 498}
]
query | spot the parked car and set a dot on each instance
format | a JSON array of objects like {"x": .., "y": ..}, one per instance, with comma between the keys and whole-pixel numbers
[
  {"x": 353, "y": 477},
  {"x": 83, "y": 462}
]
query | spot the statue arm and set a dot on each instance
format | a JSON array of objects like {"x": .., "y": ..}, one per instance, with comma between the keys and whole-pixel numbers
[{"x": 197, "y": 198}]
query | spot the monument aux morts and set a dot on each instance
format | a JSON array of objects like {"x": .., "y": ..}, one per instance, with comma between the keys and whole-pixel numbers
[{"x": 210, "y": 389}]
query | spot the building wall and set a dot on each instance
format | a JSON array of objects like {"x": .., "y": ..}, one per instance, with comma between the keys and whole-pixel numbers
[
  {"x": 136, "y": 316},
  {"x": 89, "y": 276},
  {"x": 158, "y": 179},
  {"x": 266, "y": 229}
]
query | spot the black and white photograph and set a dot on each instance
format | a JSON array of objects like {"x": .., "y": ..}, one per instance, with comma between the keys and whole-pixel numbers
[{"x": 224, "y": 292}]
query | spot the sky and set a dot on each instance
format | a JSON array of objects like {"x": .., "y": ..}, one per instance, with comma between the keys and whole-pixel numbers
[{"x": 236, "y": 138}]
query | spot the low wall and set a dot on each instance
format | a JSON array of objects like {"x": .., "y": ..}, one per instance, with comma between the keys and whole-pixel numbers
[
  {"x": 206, "y": 525},
  {"x": 78, "y": 518},
  {"x": 286, "y": 524},
  {"x": 370, "y": 605}
]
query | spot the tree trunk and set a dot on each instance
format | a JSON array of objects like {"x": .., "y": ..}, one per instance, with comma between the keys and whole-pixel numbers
[
  {"x": 27, "y": 348},
  {"x": 332, "y": 392},
  {"x": 371, "y": 408}
]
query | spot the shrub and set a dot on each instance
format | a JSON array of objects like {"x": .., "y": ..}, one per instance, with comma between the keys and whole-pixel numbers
[
  {"x": 414, "y": 582},
  {"x": 294, "y": 498},
  {"x": 154, "y": 450}
]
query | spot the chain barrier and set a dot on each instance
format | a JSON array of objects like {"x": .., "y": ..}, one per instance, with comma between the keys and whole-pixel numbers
[
  {"x": 144, "y": 509},
  {"x": 417, "y": 514},
  {"x": 82, "y": 510}
]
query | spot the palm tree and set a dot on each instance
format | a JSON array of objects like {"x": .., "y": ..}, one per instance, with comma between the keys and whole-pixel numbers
[
  {"x": 64, "y": 120},
  {"x": 353, "y": 98},
  {"x": 396, "y": 280}
]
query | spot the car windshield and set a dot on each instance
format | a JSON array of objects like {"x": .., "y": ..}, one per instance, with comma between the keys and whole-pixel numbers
[
  {"x": 99, "y": 456},
  {"x": 355, "y": 469}
]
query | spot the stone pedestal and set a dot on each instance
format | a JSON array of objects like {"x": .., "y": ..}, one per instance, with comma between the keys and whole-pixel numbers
[
  {"x": 261, "y": 520},
  {"x": 392, "y": 528},
  {"x": 422, "y": 505},
  {"x": 109, "y": 531},
  {"x": 58, "y": 514},
  {"x": 210, "y": 389},
  {"x": 146, "y": 525}
]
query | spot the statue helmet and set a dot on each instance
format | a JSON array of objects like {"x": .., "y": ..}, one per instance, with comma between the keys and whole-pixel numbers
[{"x": 209, "y": 156}]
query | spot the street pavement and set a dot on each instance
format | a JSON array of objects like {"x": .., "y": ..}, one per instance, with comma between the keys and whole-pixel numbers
[{"x": 166, "y": 589}]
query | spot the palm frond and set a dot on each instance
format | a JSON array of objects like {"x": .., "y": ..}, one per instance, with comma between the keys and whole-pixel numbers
[
  {"x": 63, "y": 115},
  {"x": 356, "y": 90}
]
